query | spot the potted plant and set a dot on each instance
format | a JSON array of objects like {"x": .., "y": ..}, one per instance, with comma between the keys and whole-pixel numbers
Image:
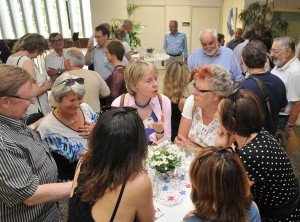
[
  {"x": 261, "y": 17},
  {"x": 137, "y": 27}
]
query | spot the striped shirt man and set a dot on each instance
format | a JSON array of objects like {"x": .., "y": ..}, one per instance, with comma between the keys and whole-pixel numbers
[{"x": 25, "y": 163}]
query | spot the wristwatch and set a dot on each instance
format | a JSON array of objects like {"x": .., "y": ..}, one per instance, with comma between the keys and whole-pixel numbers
[{"x": 289, "y": 125}]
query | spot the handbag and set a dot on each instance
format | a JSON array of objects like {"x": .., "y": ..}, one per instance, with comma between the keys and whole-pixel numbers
[
  {"x": 278, "y": 134},
  {"x": 32, "y": 118}
]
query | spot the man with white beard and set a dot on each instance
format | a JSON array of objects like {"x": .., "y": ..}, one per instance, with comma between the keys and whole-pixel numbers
[
  {"x": 287, "y": 68},
  {"x": 212, "y": 53}
]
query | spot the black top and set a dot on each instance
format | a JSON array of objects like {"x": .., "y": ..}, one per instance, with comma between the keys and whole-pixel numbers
[
  {"x": 82, "y": 211},
  {"x": 175, "y": 120},
  {"x": 276, "y": 185}
]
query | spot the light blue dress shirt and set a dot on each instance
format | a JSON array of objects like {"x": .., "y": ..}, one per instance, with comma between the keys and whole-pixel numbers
[
  {"x": 225, "y": 58},
  {"x": 101, "y": 64},
  {"x": 176, "y": 44}
]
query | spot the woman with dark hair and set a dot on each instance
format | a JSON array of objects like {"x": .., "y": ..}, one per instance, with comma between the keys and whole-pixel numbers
[
  {"x": 274, "y": 185},
  {"x": 220, "y": 188},
  {"x": 110, "y": 181}
]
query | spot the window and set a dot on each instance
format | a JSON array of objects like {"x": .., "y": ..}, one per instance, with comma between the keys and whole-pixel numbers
[{"x": 18, "y": 17}]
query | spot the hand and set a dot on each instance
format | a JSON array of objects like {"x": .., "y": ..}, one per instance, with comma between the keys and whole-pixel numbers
[
  {"x": 52, "y": 72},
  {"x": 159, "y": 125},
  {"x": 222, "y": 138},
  {"x": 90, "y": 47},
  {"x": 46, "y": 85},
  {"x": 86, "y": 129},
  {"x": 288, "y": 132},
  {"x": 184, "y": 143}
]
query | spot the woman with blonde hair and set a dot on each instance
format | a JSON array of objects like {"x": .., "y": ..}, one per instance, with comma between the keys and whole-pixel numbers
[
  {"x": 28, "y": 47},
  {"x": 176, "y": 79},
  {"x": 220, "y": 188},
  {"x": 154, "y": 108}
]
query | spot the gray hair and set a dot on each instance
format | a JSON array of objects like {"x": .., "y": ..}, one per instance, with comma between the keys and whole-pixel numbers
[
  {"x": 213, "y": 31},
  {"x": 120, "y": 34},
  {"x": 298, "y": 49},
  {"x": 127, "y": 22},
  {"x": 286, "y": 42},
  {"x": 222, "y": 79},
  {"x": 60, "y": 90},
  {"x": 75, "y": 56}
]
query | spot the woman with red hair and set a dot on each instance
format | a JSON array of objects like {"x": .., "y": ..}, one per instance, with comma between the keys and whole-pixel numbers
[{"x": 198, "y": 123}]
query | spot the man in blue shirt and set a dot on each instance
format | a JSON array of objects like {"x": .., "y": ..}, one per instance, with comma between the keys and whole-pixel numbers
[
  {"x": 175, "y": 44},
  {"x": 212, "y": 53}
]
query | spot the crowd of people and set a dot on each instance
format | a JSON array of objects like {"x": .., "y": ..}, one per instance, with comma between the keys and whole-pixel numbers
[{"x": 90, "y": 145}]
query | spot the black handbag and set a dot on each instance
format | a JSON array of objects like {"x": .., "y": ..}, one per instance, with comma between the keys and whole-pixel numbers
[{"x": 32, "y": 118}]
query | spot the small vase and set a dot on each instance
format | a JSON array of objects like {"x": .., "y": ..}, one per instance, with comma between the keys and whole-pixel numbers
[{"x": 160, "y": 179}]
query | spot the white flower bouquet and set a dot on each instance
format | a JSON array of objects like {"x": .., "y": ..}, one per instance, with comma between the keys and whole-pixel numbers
[{"x": 165, "y": 157}]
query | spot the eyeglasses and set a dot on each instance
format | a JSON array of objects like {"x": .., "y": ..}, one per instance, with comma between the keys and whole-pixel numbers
[
  {"x": 31, "y": 99},
  {"x": 213, "y": 152},
  {"x": 70, "y": 82},
  {"x": 98, "y": 36},
  {"x": 56, "y": 40},
  {"x": 276, "y": 51},
  {"x": 202, "y": 90}
]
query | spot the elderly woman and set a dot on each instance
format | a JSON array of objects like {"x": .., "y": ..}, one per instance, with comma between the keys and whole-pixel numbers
[
  {"x": 198, "y": 123},
  {"x": 274, "y": 185},
  {"x": 25, "y": 50},
  {"x": 220, "y": 188},
  {"x": 153, "y": 108},
  {"x": 67, "y": 128},
  {"x": 120, "y": 34},
  {"x": 114, "y": 161}
]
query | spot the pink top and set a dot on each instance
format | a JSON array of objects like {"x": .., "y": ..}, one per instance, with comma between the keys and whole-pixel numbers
[{"x": 154, "y": 103}]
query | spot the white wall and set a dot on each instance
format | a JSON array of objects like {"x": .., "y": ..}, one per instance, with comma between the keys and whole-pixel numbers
[{"x": 105, "y": 10}]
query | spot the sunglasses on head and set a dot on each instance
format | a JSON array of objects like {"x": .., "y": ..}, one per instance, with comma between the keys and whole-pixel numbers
[
  {"x": 70, "y": 82},
  {"x": 213, "y": 152}
]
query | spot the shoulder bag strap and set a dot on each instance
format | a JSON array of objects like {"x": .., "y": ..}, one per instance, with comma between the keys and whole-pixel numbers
[
  {"x": 122, "y": 100},
  {"x": 19, "y": 60},
  {"x": 160, "y": 101},
  {"x": 267, "y": 100}
]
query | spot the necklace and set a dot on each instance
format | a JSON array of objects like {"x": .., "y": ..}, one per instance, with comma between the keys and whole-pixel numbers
[
  {"x": 71, "y": 122},
  {"x": 142, "y": 106},
  {"x": 246, "y": 141}
]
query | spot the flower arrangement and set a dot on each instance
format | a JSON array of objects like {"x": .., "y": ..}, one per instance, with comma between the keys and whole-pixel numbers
[{"x": 164, "y": 157}]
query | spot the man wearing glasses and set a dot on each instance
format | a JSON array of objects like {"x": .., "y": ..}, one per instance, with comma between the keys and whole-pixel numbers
[
  {"x": 96, "y": 52},
  {"x": 54, "y": 62},
  {"x": 28, "y": 174},
  {"x": 287, "y": 68}
]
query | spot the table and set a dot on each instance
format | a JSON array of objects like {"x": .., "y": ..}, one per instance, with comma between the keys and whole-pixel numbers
[
  {"x": 159, "y": 58},
  {"x": 169, "y": 191}
]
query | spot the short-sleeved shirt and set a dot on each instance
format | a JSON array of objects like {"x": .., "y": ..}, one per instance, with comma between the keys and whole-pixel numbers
[
  {"x": 225, "y": 58},
  {"x": 277, "y": 94},
  {"x": 52, "y": 60},
  {"x": 64, "y": 141},
  {"x": 269, "y": 166},
  {"x": 290, "y": 75},
  {"x": 25, "y": 163},
  {"x": 202, "y": 134},
  {"x": 101, "y": 64}
]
